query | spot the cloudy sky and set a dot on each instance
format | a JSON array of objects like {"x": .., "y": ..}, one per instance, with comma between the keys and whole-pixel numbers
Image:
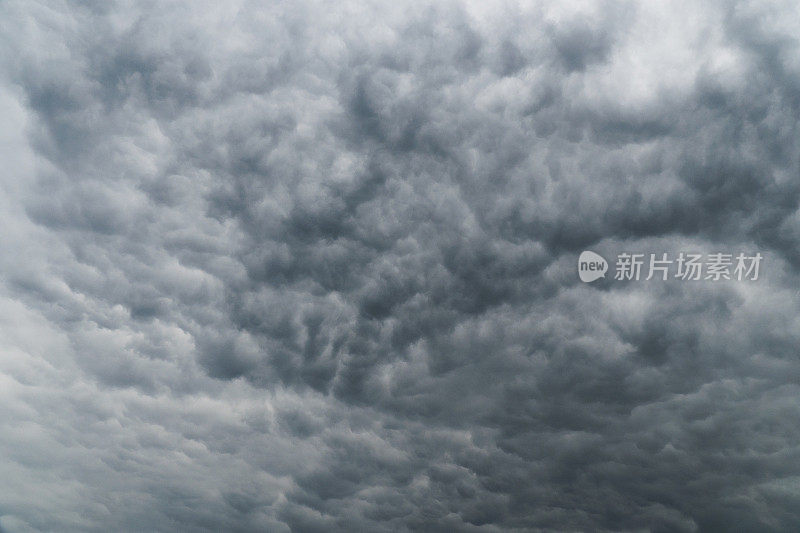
[{"x": 311, "y": 266}]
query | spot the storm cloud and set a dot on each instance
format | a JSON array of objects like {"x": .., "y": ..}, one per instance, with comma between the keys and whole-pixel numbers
[{"x": 310, "y": 266}]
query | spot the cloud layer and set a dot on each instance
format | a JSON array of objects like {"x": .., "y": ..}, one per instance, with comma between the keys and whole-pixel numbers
[{"x": 310, "y": 266}]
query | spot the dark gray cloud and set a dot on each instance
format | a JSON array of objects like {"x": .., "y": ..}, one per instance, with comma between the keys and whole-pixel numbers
[{"x": 311, "y": 267}]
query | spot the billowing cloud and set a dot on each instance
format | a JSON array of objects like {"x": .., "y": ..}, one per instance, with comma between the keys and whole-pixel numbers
[{"x": 311, "y": 267}]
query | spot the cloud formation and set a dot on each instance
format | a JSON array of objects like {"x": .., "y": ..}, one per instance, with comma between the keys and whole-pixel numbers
[{"x": 311, "y": 267}]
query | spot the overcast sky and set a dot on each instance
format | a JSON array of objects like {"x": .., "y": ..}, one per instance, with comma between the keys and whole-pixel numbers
[{"x": 311, "y": 266}]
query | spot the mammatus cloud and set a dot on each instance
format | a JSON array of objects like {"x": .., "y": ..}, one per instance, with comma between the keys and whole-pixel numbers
[{"x": 311, "y": 267}]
